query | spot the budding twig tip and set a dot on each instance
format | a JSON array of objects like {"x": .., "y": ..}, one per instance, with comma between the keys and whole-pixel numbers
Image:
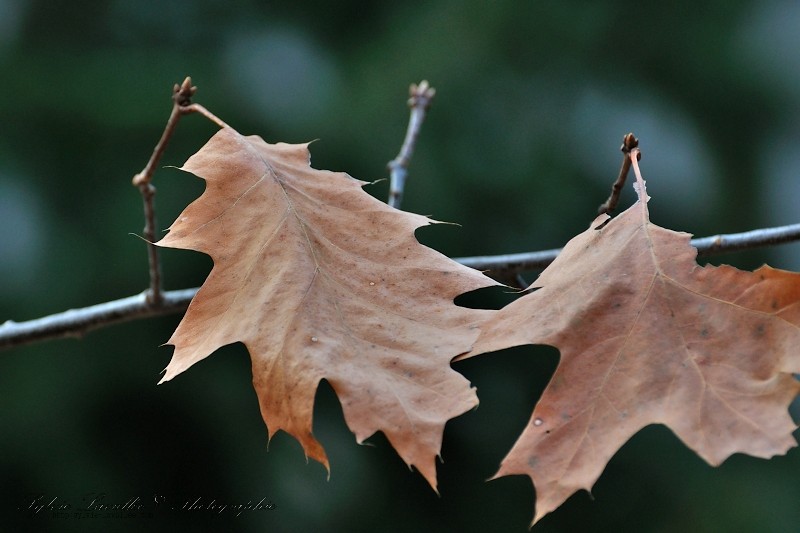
[
  {"x": 629, "y": 142},
  {"x": 182, "y": 94},
  {"x": 421, "y": 95}
]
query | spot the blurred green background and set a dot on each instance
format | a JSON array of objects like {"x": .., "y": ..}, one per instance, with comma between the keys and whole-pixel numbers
[{"x": 521, "y": 145}]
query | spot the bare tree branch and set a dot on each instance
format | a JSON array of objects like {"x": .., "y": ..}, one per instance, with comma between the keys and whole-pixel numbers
[
  {"x": 714, "y": 245},
  {"x": 77, "y": 322},
  {"x": 155, "y": 302}
]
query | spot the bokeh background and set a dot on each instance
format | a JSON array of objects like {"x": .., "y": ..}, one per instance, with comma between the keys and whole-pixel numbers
[{"x": 521, "y": 145}]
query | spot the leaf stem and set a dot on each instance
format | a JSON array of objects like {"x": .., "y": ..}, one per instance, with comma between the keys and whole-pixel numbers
[{"x": 197, "y": 108}]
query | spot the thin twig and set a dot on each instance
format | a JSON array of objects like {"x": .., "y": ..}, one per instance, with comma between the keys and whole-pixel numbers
[
  {"x": 181, "y": 96},
  {"x": 757, "y": 238},
  {"x": 76, "y": 322},
  {"x": 420, "y": 101},
  {"x": 154, "y": 293},
  {"x": 510, "y": 263},
  {"x": 629, "y": 142}
]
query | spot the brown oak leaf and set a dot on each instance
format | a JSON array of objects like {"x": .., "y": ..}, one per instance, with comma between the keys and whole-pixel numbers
[
  {"x": 647, "y": 336},
  {"x": 321, "y": 281}
]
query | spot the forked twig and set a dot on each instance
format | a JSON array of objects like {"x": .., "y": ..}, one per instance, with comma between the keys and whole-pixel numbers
[
  {"x": 420, "y": 101},
  {"x": 629, "y": 142},
  {"x": 181, "y": 105}
]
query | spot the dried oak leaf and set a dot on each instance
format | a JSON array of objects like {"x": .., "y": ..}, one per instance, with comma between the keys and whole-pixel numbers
[
  {"x": 321, "y": 281},
  {"x": 647, "y": 336}
]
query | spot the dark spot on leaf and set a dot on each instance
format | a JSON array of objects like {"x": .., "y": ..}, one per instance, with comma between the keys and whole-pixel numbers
[{"x": 603, "y": 225}]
